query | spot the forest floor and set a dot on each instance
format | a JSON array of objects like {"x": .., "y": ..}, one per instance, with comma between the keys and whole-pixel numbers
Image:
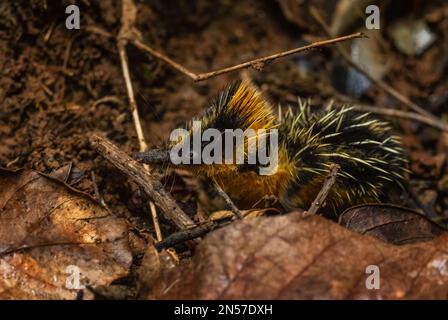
[{"x": 59, "y": 87}]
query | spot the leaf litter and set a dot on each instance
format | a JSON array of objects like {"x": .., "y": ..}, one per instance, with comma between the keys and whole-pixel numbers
[{"x": 46, "y": 227}]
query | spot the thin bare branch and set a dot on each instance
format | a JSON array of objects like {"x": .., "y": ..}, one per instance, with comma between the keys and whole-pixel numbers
[
  {"x": 323, "y": 193},
  {"x": 136, "y": 172},
  {"x": 256, "y": 63},
  {"x": 187, "y": 234},
  {"x": 132, "y": 101},
  {"x": 228, "y": 201},
  {"x": 155, "y": 221},
  {"x": 158, "y": 55},
  {"x": 128, "y": 17},
  {"x": 206, "y": 227}
]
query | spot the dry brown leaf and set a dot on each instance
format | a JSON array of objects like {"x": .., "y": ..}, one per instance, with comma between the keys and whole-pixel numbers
[
  {"x": 296, "y": 257},
  {"x": 62, "y": 173},
  {"x": 153, "y": 270},
  {"x": 252, "y": 213},
  {"x": 45, "y": 227},
  {"x": 390, "y": 223}
]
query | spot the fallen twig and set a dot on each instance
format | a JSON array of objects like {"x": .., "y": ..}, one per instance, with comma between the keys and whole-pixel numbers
[
  {"x": 26, "y": 247},
  {"x": 258, "y": 63},
  {"x": 189, "y": 234},
  {"x": 155, "y": 220},
  {"x": 323, "y": 193},
  {"x": 228, "y": 201},
  {"x": 137, "y": 173},
  {"x": 128, "y": 17},
  {"x": 202, "y": 229},
  {"x": 379, "y": 83}
]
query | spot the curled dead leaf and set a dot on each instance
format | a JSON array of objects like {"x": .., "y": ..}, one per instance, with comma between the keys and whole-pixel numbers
[
  {"x": 390, "y": 223},
  {"x": 50, "y": 234},
  {"x": 296, "y": 257}
]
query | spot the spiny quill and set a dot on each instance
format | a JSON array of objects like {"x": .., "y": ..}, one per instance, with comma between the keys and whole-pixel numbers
[{"x": 371, "y": 159}]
